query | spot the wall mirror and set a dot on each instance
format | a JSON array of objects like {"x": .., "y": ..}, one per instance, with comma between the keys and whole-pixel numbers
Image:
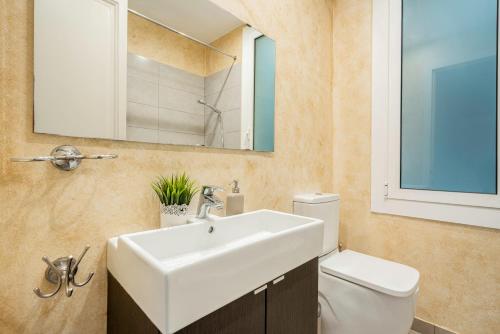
[{"x": 156, "y": 71}]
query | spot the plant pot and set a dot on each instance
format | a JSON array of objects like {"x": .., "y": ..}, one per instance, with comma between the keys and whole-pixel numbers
[{"x": 173, "y": 215}]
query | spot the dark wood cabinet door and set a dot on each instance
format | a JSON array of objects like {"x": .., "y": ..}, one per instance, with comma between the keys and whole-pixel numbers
[
  {"x": 246, "y": 315},
  {"x": 292, "y": 303},
  {"x": 124, "y": 316}
]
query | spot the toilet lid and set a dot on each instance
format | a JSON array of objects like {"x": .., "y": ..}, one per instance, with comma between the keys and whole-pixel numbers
[{"x": 372, "y": 272}]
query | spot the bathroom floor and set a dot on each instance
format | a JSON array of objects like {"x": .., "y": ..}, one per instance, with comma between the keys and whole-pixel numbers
[{"x": 413, "y": 332}]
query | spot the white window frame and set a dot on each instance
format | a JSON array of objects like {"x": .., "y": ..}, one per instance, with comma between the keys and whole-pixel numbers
[
  {"x": 387, "y": 196},
  {"x": 247, "y": 86}
]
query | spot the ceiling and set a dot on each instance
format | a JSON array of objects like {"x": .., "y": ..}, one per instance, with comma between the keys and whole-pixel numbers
[{"x": 200, "y": 19}]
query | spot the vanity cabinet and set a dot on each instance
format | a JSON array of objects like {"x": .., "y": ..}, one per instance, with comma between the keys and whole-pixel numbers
[
  {"x": 292, "y": 303},
  {"x": 287, "y": 306},
  {"x": 244, "y": 315}
]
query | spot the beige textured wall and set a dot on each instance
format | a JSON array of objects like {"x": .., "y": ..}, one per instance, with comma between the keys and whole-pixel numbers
[
  {"x": 230, "y": 43},
  {"x": 44, "y": 211},
  {"x": 155, "y": 42},
  {"x": 459, "y": 265}
]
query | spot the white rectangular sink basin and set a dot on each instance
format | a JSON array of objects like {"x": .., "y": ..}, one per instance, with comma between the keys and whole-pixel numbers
[{"x": 178, "y": 275}]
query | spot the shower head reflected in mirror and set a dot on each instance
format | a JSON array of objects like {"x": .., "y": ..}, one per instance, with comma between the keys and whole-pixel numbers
[
  {"x": 220, "y": 120},
  {"x": 211, "y": 107}
]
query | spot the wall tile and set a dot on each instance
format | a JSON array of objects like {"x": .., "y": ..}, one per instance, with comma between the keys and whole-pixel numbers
[
  {"x": 229, "y": 99},
  {"x": 213, "y": 82},
  {"x": 232, "y": 120},
  {"x": 168, "y": 137},
  {"x": 179, "y": 79},
  {"x": 143, "y": 67},
  {"x": 179, "y": 121},
  {"x": 142, "y": 115},
  {"x": 180, "y": 100},
  {"x": 212, "y": 122},
  {"x": 213, "y": 138},
  {"x": 232, "y": 140},
  {"x": 140, "y": 90},
  {"x": 142, "y": 135}
]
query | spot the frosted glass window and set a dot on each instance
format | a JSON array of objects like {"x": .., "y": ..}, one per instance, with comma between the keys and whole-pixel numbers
[
  {"x": 265, "y": 68},
  {"x": 449, "y": 95}
]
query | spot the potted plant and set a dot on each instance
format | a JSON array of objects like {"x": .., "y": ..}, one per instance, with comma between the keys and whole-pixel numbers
[{"x": 175, "y": 194}]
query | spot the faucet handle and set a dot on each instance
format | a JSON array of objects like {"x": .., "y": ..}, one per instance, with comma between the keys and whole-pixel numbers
[{"x": 208, "y": 190}]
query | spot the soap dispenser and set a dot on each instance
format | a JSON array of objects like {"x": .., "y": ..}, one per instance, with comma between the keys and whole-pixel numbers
[{"x": 235, "y": 200}]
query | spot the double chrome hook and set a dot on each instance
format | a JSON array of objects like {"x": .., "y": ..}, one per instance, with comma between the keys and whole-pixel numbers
[{"x": 62, "y": 272}]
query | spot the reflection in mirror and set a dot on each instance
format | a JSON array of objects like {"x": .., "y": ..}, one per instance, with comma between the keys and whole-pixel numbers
[{"x": 194, "y": 73}]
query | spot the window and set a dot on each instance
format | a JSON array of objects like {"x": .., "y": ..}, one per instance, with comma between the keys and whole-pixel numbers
[{"x": 435, "y": 110}]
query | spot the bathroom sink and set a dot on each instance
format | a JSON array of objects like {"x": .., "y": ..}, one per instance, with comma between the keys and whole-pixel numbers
[{"x": 178, "y": 275}]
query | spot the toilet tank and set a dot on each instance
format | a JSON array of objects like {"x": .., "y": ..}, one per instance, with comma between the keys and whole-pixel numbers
[{"x": 324, "y": 207}]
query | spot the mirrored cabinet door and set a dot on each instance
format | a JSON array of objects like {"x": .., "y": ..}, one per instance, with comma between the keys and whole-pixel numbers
[{"x": 80, "y": 68}]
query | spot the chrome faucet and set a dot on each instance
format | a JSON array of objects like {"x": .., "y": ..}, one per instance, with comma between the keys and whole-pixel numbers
[{"x": 208, "y": 200}]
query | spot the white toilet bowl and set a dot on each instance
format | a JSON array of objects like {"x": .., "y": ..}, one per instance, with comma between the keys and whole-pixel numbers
[
  {"x": 358, "y": 293},
  {"x": 361, "y": 294}
]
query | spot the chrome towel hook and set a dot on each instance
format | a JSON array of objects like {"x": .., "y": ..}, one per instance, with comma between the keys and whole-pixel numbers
[{"x": 61, "y": 272}]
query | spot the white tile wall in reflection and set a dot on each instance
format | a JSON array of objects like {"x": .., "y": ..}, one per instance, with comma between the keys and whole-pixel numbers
[
  {"x": 163, "y": 105},
  {"x": 230, "y": 105}
]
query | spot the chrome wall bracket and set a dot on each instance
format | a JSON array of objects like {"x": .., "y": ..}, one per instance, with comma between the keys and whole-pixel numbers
[
  {"x": 65, "y": 157},
  {"x": 61, "y": 272}
]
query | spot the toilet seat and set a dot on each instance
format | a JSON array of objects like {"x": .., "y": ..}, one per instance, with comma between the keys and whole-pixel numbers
[{"x": 381, "y": 275}]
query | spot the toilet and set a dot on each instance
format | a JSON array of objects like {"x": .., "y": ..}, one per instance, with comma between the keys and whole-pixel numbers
[{"x": 358, "y": 293}]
